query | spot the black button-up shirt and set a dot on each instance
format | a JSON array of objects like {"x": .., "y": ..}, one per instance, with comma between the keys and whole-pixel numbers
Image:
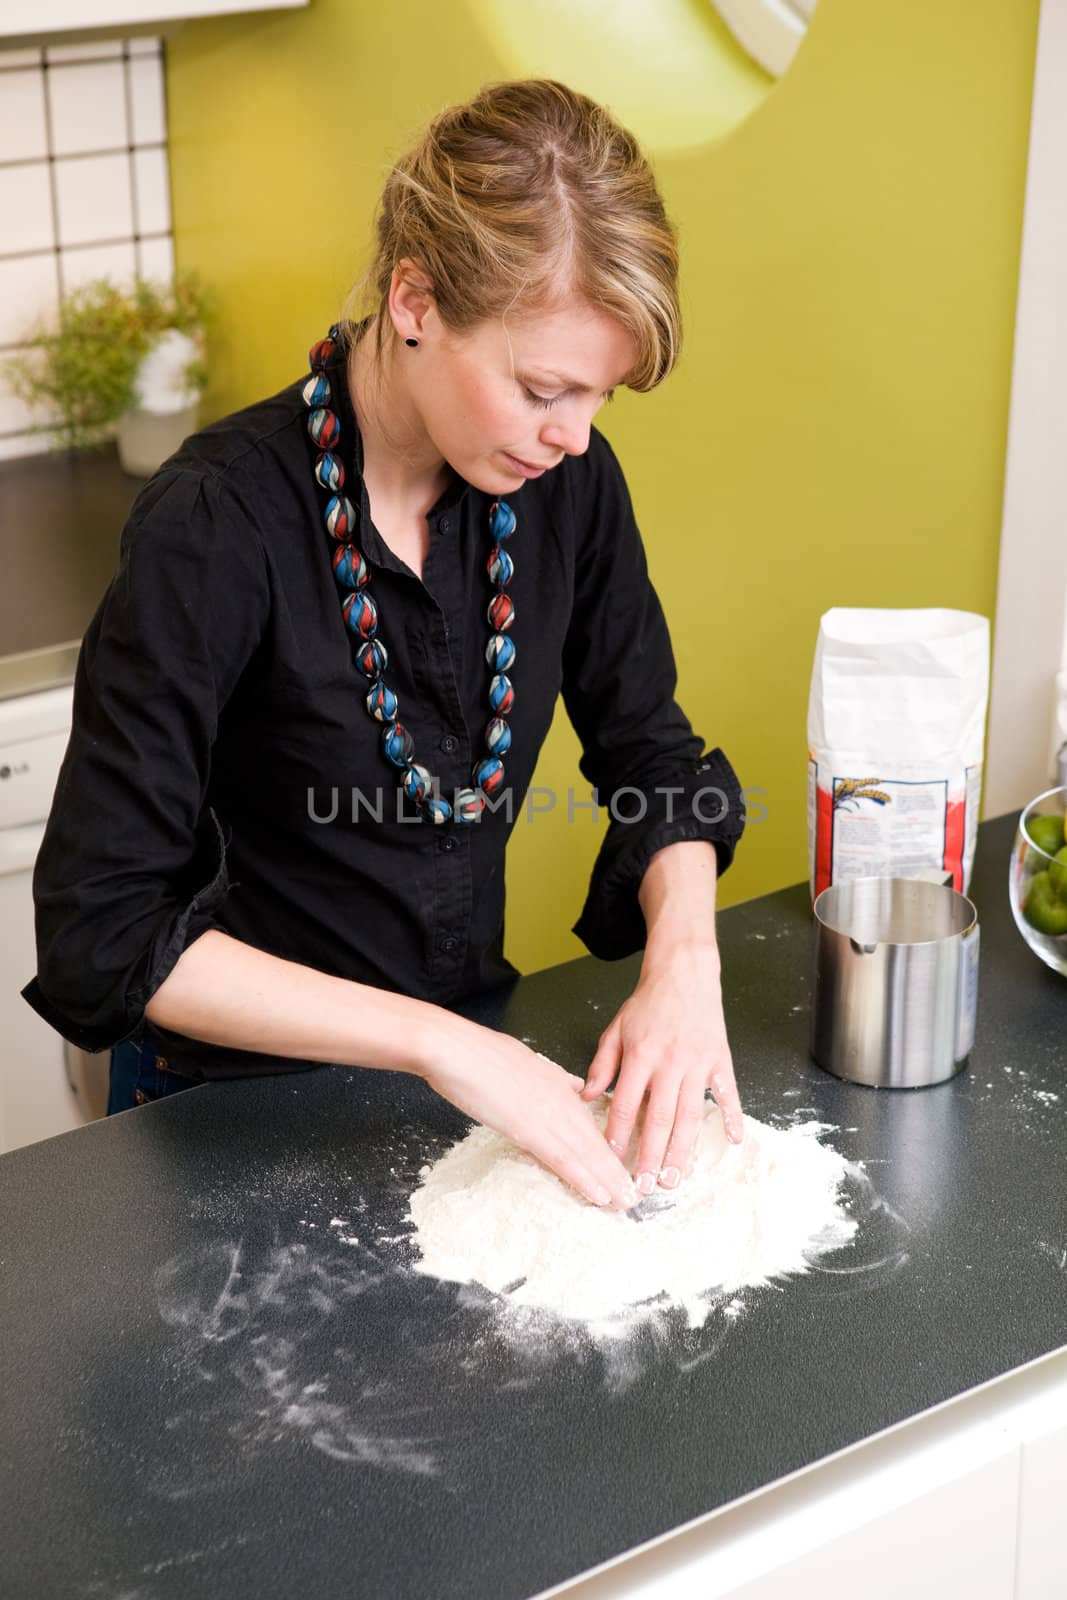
[{"x": 223, "y": 770}]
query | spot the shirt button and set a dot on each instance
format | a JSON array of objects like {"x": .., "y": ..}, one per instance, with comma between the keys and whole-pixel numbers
[
  {"x": 448, "y": 943},
  {"x": 449, "y": 842},
  {"x": 445, "y": 525},
  {"x": 449, "y": 744}
]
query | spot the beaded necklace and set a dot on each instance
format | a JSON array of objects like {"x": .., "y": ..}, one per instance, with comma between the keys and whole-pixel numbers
[{"x": 361, "y": 618}]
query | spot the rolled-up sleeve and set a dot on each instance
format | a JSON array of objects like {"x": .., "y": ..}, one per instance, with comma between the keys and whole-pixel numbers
[
  {"x": 639, "y": 749},
  {"x": 132, "y": 865}
]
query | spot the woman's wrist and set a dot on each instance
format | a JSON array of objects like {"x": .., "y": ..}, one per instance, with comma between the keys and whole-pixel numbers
[
  {"x": 677, "y": 898},
  {"x": 671, "y": 948},
  {"x": 438, "y": 1036}
]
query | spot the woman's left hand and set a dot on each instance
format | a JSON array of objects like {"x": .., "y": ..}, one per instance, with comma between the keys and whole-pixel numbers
[{"x": 667, "y": 1044}]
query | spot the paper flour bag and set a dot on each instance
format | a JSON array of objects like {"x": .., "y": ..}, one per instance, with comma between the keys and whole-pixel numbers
[{"x": 896, "y": 723}]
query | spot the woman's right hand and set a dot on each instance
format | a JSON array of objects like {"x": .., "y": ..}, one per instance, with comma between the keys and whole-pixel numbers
[{"x": 504, "y": 1084}]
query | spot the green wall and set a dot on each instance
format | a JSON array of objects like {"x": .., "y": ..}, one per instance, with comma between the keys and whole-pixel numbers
[{"x": 835, "y": 433}]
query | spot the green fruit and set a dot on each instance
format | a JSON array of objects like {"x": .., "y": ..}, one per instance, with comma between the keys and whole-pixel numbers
[
  {"x": 1057, "y": 873},
  {"x": 1043, "y": 908},
  {"x": 1047, "y": 833}
]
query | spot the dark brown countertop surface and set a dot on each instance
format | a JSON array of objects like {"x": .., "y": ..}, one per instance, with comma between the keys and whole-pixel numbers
[{"x": 61, "y": 515}]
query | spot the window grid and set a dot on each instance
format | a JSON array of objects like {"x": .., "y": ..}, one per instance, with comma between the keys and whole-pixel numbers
[{"x": 29, "y": 437}]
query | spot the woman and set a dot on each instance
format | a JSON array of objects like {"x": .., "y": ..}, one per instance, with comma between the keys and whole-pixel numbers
[{"x": 300, "y": 741}]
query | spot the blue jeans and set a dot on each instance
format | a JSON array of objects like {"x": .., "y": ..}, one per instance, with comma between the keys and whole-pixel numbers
[{"x": 139, "y": 1075}]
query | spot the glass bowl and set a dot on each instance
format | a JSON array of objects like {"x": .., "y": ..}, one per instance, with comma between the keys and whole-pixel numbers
[{"x": 1037, "y": 880}]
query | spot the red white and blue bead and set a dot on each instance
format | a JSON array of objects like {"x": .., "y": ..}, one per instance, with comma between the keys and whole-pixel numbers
[{"x": 360, "y": 613}]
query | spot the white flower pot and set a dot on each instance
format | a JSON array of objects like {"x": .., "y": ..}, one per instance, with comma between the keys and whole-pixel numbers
[
  {"x": 147, "y": 438},
  {"x": 165, "y": 409}
]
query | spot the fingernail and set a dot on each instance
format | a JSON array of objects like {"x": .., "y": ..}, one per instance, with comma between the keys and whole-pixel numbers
[
  {"x": 645, "y": 1183},
  {"x": 669, "y": 1177},
  {"x": 629, "y": 1196},
  {"x": 616, "y": 1146},
  {"x": 601, "y": 1196}
]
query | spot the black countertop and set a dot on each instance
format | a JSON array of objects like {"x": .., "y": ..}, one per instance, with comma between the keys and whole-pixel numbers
[
  {"x": 209, "y": 1391},
  {"x": 61, "y": 514}
]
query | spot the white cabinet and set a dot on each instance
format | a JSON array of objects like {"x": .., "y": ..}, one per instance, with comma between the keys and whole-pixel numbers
[
  {"x": 956, "y": 1540},
  {"x": 1042, "y": 1539},
  {"x": 35, "y": 22},
  {"x": 36, "y": 1099}
]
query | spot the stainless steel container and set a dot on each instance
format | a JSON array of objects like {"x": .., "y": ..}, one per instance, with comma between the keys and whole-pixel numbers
[{"x": 896, "y": 981}]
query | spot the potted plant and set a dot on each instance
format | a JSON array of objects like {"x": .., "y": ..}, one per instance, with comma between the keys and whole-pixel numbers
[{"x": 122, "y": 362}]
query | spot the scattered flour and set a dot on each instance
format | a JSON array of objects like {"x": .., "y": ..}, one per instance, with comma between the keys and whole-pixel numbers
[{"x": 488, "y": 1213}]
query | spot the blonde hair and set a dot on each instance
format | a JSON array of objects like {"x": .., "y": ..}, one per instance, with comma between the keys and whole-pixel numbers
[{"x": 526, "y": 195}]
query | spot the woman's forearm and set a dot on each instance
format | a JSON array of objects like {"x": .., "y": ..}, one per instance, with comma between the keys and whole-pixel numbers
[
  {"x": 224, "y": 992},
  {"x": 677, "y": 897},
  {"x": 228, "y": 993}
]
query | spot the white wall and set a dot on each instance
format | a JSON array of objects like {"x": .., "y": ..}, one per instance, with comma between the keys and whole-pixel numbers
[
  {"x": 1030, "y": 631},
  {"x": 84, "y": 188}
]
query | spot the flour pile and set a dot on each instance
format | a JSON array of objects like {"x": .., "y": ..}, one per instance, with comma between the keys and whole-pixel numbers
[{"x": 488, "y": 1213}]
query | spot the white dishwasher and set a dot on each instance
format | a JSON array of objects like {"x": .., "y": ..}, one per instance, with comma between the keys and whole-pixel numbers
[{"x": 46, "y": 1086}]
